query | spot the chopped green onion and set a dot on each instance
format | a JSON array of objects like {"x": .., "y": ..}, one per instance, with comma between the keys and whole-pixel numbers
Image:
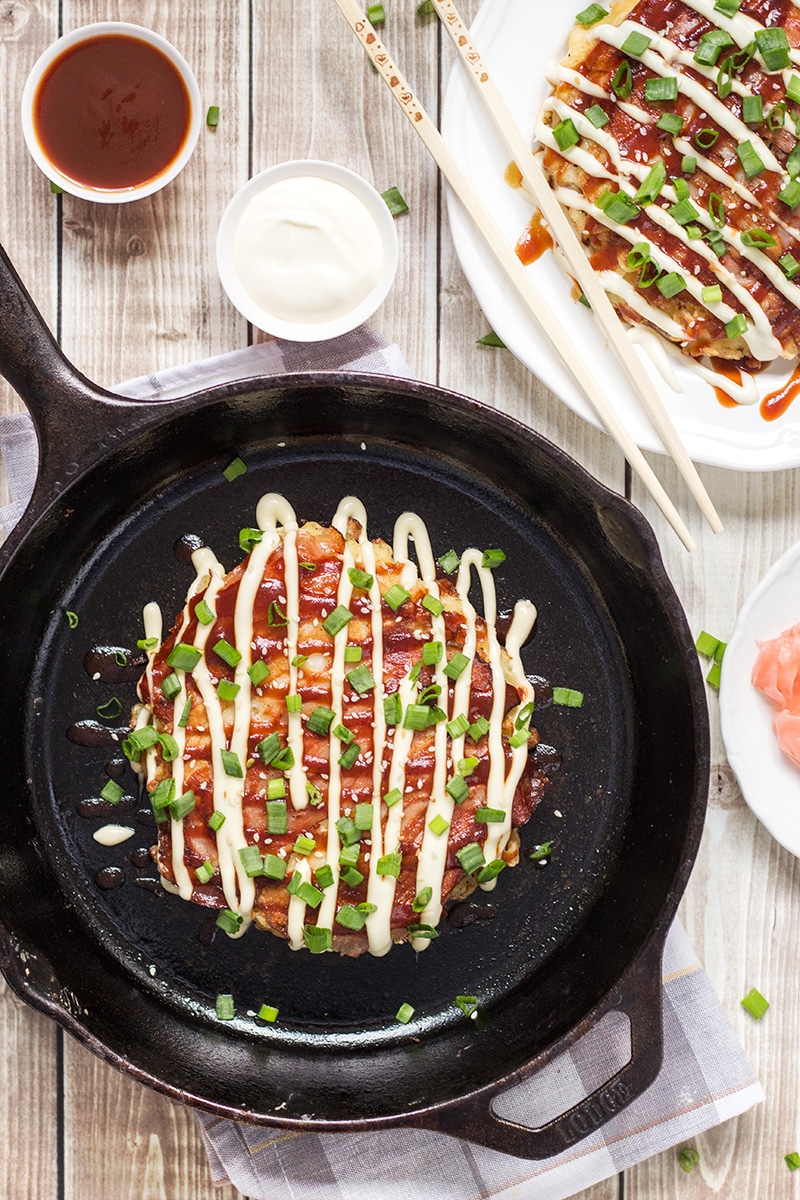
[
  {"x": 790, "y": 195},
  {"x": 335, "y": 622},
  {"x": 793, "y": 88},
  {"x": 789, "y": 265},
  {"x": 716, "y": 242},
  {"x": 348, "y": 758},
  {"x": 352, "y": 878},
  {"x": 181, "y": 807},
  {"x": 248, "y": 538},
  {"x": 567, "y": 697},
  {"x": 689, "y": 1158},
  {"x": 490, "y": 815},
  {"x": 621, "y": 209},
  {"x": 669, "y": 285},
  {"x": 216, "y": 820},
  {"x": 258, "y": 673},
  {"x": 320, "y": 720},
  {"x": 349, "y": 855},
  {"x": 681, "y": 188},
  {"x": 277, "y": 816},
  {"x": 415, "y": 672},
  {"x": 404, "y": 1014},
  {"x": 143, "y": 739},
  {"x": 426, "y": 9},
  {"x": 269, "y": 747},
  {"x": 457, "y": 665},
  {"x": 422, "y": 931},
  {"x": 493, "y": 558},
  {"x": 344, "y": 734},
  {"x": 363, "y": 816},
  {"x": 294, "y": 703},
  {"x": 432, "y": 653},
  {"x": 111, "y": 709},
  {"x": 392, "y": 797},
  {"x": 458, "y": 726},
  {"x": 231, "y": 764},
  {"x": 491, "y": 870},
  {"x": 350, "y": 918},
  {"x": 274, "y": 867},
  {"x": 457, "y": 789},
  {"x": 773, "y": 46},
  {"x": 748, "y": 157},
  {"x": 752, "y": 110},
  {"x": 317, "y": 938},
  {"x": 276, "y": 789},
  {"x": 204, "y": 613},
  {"x": 755, "y": 1004},
  {"x": 705, "y": 138},
  {"x": 390, "y": 864},
  {"x": 299, "y": 660},
  {"x": 361, "y": 680},
  {"x": 268, "y": 1012},
  {"x": 276, "y": 615},
  {"x": 712, "y": 294},
  {"x": 670, "y": 123},
  {"x": 394, "y": 200},
  {"x": 693, "y": 231},
  {"x": 470, "y": 857},
  {"x": 663, "y": 87},
  {"x": 449, "y": 562},
  {"x": 393, "y": 709},
  {"x": 324, "y": 876},
  {"x": 169, "y": 747},
  {"x": 433, "y": 604},
  {"x": 792, "y": 1161},
  {"x": 710, "y": 47},
  {"x": 466, "y": 766},
  {"x": 439, "y": 825},
  {"x": 416, "y": 717},
  {"x": 636, "y": 43},
  {"x": 716, "y": 209},
  {"x": 205, "y": 871},
  {"x": 622, "y": 81},
  {"x": 360, "y": 579},
  {"x": 56, "y": 191},
  {"x": 683, "y": 212},
  {"x": 212, "y": 116},
  {"x": 251, "y": 861},
  {"x": 353, "y": 654},
  {"x": 229, "y": 920},
  {"x": 793, "y": 161},
  {"x": 171, "y": 686},
  {"x": 422, "y": 899},
  {"x": 227, "y": 690},
  {"x": 228, "y": 653},
  {"x": 688, "y": 164},
  {"x": 395, "y": 596},
  {"x": 714, "y": 676},
  {"x": 728, "y": 8},
  {"x": 776, "y": 117},
  {"x": 376, "y": 14},
  {"x": 478, "y": 729},
  {"x": 638, "y": 256},
  {"x": 224, "y": 1006},
  {"x": 234, "y": 469},
  {"x": 112, "y": 792},
  {"x": 468, "y": 1005},
  {"x": 303, "y": 844},
  {"x": 184, "y": 657},
  {"x": 591, "y": 15},
  {"x": 565, "y": 134},
  {"x": 314, "y": 795},
  {"x": 758, "y": 238},
  {"x": 543, "y": 850},
  {"x": 491, "y": 339},
  {"x": 736, "y": 326},
  {"x": 304, "y": 891},
  {"x": 597, "y": 115},
  {"x": 147, "y": 644}
]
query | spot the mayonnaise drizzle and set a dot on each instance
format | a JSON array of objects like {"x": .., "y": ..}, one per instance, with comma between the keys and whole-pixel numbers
[
  {"x": 665, "y": 58},
  {"x": 391, "y": 746}
]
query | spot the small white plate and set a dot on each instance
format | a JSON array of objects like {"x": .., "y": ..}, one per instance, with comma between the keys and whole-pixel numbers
[
  {"x": 518, "y": 40},
  {"x": 770, "y": 782},
  {"x": 310, "y": 331}
]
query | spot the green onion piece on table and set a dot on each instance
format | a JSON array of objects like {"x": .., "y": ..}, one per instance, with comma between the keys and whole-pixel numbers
[
  {"x": 234, "y": 469},
  {"x": 394, "y": 200},
  {"x": 212, "y": 116},
  {"x": 224, "y": 1007},
  {"x": 490, "y": 339},
  {"x": 688, "y": 1159},
  {"x": 755, "y": 1004}
]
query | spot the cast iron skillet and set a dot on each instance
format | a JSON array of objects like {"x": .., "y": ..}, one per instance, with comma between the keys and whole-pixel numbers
[{"x": 133, "y": 973}]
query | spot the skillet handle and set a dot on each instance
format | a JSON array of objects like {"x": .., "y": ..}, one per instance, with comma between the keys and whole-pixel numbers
[{"x": 638, "y": 995}]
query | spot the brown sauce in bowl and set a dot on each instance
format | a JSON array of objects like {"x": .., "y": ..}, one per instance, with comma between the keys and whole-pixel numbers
[{"x": 112, "y": 112}]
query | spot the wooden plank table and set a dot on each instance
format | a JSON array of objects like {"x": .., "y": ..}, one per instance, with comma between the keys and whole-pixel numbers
[{"x": 131, "y": 288}]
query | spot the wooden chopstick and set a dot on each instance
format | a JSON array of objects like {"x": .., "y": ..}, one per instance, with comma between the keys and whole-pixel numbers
[
  {"x": 508, "y": 259},
  {"x": 572, "y": 250}
]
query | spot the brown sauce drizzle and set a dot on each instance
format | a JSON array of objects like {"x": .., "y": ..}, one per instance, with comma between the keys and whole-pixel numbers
[
  {"x": 109, "y": 878},
  {"x": 776, "y": 403},
  {"x": 534, "y": 241}
]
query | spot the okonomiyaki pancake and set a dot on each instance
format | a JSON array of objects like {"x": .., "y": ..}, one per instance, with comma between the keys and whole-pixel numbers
[
  {"x": 671, "y": 140},
  {"x": 334, "y": 741}
]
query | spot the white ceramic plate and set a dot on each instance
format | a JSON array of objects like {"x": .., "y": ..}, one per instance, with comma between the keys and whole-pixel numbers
[
  {"x": 518, "y": 39},
  {"x": 770, "y": 783}
]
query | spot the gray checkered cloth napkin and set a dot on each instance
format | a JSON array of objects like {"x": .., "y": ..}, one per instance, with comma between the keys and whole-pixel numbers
[{"x": 705, "y": 1078}]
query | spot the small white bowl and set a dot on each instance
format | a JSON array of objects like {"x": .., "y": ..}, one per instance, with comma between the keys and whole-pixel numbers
[
  {"x": 110, "y": 195},
  {"x": 318, "y": 327}
]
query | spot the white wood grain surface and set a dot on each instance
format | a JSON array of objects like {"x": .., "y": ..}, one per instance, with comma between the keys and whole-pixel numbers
[{"x": 138, "y": 291}]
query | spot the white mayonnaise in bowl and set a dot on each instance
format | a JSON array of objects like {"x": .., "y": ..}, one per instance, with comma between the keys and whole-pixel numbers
[{"x": 307, "y": 250}]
